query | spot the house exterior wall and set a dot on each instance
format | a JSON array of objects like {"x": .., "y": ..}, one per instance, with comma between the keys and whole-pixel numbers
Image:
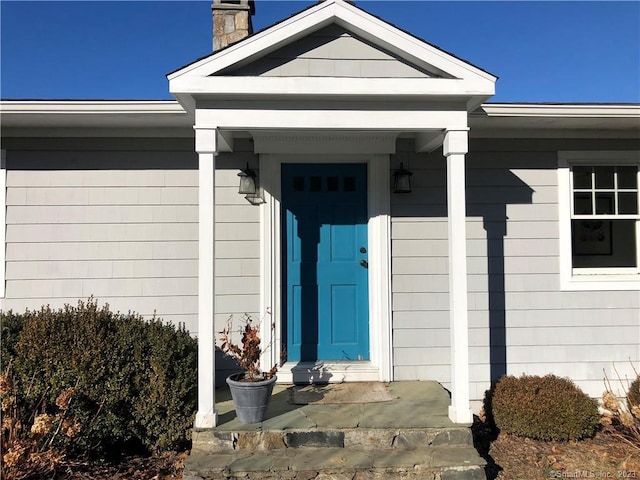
[
  {"x": 330, "y": 52},
  {"x": 116, "y": 219},
  {"x": 520, "y": 321}
]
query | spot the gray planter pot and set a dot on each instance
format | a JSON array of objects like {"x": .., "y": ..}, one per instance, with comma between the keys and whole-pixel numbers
[{"x": 250, "y": 398}]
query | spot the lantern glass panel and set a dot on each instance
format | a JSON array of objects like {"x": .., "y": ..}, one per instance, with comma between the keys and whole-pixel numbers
[
  {"x": 247, "y": 185},
  {"x": 402, "y": 184}
]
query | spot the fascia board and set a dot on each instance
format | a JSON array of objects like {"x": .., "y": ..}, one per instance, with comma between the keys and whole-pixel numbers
[
  {"x": 317, "y": 86},
  {"x": 564, "y": 131},
  {"x": 367, "y": 26},
  {"x": 60, "y": 114},
  {"x": 98, "y": 132},
  {"x": 560, "y": 110},
  {"x": 90, "y": 106}
]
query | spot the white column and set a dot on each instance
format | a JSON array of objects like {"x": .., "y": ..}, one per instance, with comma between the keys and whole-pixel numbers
[
  {"x": 454, "y": 147},
  {"x": 206, "y": 417}
]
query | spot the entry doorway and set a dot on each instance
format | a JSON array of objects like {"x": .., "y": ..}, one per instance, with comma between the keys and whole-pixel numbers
[{"x": 325, "y": 262}]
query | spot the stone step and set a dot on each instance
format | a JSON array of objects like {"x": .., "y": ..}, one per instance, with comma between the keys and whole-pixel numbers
[
  {"x": 362, "y": 438},
  {"x": 336, "y": 463},
  {"x": 339, "y": 433}
]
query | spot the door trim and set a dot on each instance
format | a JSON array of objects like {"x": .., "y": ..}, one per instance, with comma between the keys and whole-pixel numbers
[{"x": 379, "y": 237}]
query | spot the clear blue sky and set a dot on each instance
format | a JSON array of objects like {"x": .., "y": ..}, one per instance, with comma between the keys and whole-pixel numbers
[{"x": 542, "y": 51}]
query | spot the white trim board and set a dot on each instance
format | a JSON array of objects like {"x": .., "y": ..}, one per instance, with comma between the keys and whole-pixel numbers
[
  {"x": 3, "y": 220},
  {"x": 379, "y": 237}
]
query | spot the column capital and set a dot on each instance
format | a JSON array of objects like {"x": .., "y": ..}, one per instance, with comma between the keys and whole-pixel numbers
[
  {"x": 456, "y": 142},
  {"x": 206, "y": 140}
]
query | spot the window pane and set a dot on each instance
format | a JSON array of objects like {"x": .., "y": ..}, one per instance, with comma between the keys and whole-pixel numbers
[
  {"x": 603, "y": 243},
  {"x": 591, "y": 237},
  {"x": 604, "y": 177},
  {"x": 582, "y": 204},
  {"x": 624, "y": 243},
  {"x": 298, "y": 184},
  {"x": 582, "y": 177},
  {"x": 628, "y": 177},
  {"x": 332, "y": 184},
  {"x": 627, "y": 203},
  {"x": 604, "y": 204},
  {"x": 315, "y": 184},
  {"x": 349, "y": 184}
]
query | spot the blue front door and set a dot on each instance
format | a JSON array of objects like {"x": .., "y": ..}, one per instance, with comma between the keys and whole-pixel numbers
[{"x": 325, "y": 250}]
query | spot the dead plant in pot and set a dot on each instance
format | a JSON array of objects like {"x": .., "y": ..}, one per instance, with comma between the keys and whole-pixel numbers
[{"x": 252, "y": 388}]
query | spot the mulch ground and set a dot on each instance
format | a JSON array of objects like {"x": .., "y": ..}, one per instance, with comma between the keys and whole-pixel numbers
[
  {"x": 606, "y": 455},
  {"x": 167, "y": 466}
]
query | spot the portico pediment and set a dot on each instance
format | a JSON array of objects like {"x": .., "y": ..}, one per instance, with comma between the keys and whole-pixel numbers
[{"x": 332, "y": 49}]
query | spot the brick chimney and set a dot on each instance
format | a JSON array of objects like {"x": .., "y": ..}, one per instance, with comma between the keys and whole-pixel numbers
[{"x": 231, "y": 21}]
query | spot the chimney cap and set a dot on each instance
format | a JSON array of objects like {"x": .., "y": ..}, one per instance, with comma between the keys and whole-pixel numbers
[{"x": 234, "y": 5}]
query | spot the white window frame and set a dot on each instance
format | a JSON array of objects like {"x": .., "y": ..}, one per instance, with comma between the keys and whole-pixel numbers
[{"x": 591, "y": 278}]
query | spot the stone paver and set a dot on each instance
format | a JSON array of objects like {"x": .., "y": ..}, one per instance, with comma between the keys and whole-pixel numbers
[
  {"x": 455, "y": 456},
  {"x": 252, "y": 463},
  {"x": 328, "y": 416},
  {"x": 331, "y": 459},
  {"x": 401, "y": 458}
]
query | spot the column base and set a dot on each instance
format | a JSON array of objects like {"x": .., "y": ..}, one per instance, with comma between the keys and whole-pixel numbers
[
  {"x": 462, "y": 416},
  {"x": 206, "y": 420}
]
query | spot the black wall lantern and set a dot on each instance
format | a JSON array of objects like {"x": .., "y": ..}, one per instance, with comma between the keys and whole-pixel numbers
[
  {"x": 247, "y": 182},
  {"x": 402, "y": 180}
]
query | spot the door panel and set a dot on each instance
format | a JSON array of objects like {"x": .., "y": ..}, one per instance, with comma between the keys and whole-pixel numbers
[{"x": 325, "y": 232}]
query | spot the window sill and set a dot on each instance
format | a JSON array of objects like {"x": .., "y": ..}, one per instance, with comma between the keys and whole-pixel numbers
[{"x": 593, "y": 281}]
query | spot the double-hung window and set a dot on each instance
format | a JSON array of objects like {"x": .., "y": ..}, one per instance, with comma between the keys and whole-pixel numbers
[{"x": 599, "y": 220}]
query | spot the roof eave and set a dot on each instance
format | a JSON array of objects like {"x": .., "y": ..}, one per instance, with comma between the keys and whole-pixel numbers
[{"x": 75, "y": 115}]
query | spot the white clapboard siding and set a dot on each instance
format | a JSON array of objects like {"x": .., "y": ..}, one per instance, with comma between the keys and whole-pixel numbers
[
  {"x": 125, "y": 229},
  {"x": 517, "y": 312},
  {"x": 86, "y": 232},
  {"x": 237, "y": 266},
  {"x": 113, "y": 224},
  {"x": 183, "y": 308},
  {"x": 330, "y": 52}
]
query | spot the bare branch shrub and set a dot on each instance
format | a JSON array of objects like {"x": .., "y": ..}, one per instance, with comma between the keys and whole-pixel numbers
[{"x": 622, "y": 418}]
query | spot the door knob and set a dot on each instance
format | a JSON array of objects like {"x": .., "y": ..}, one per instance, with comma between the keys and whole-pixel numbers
[
  {"x": 364, "y": 263},
  {"x": 363, "y": 250}
]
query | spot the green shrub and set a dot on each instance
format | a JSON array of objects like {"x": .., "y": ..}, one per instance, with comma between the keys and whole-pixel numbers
[
  {"x": 10, "y": 328},
  {"x": 543, "y": 408},
  {"x": 134, "y": 381}
]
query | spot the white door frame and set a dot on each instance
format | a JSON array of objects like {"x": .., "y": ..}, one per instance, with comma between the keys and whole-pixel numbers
[{"x": 379, "y": 367}]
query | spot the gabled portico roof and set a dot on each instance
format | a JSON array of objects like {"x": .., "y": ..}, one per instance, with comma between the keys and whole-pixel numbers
[{"x": 454, "y": 79}]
